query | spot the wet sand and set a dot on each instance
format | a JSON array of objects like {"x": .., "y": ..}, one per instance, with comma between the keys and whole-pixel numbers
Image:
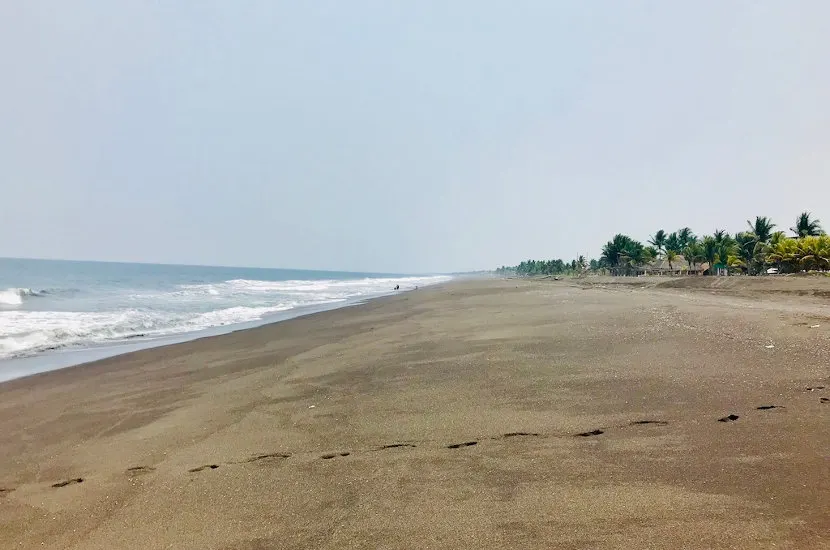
[{"x": 483, "y": 414}]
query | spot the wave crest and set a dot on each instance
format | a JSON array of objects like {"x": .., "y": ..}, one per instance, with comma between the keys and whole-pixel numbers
[
  {"x": 15, "y": 296},
  {"x": 160, "y": 312}
]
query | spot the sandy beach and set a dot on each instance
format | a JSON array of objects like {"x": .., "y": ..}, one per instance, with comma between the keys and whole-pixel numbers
[{"x": 604, "y": 413}]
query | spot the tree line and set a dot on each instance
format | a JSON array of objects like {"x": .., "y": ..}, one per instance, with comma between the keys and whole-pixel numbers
[
  {"x": 547, "y": 267},
  {"x": 752, "y": 251}
]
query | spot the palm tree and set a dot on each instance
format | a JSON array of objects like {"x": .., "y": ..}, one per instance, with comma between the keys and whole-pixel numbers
[
  {"x": 692, "y": 252},
  {"x": 747, "y": 245},
  {"x": 686, "y": 237},
  {"x": 633, "y": 254},
  {"x": 658, "y": 240},
  {"x": 726, "y": 250},
  {"x": 671, "y": 255},
  {"x": 719, "y": 235},
  {"x": 814, "y": 252},
  {"x": 784, "y": 253},
  {"x": 709, "y": 248},
  {"x": 762, "y": 228},
  {"x": 777, "y": 237},
  {"x": 673, "y": 242},
  {"x": 613, "y": 250},
  {"x": 623, "y": 252},
  {"x": 805, "y": 227}
]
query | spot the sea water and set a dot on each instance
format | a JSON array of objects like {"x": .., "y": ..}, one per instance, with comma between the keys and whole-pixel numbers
[{"x": 47, "y": 306}]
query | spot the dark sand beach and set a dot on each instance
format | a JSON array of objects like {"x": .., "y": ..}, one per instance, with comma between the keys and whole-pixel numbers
[{"x": 606, "y": 413}]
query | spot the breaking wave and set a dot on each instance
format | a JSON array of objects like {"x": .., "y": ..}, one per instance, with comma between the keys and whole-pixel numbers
[
  {"x": 15, "y": 296},
  {"x": 146, "y": 314}
]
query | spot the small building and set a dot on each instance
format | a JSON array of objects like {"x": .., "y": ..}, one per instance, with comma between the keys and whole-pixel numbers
[
  {"x": 679, "y": 266},
  {"x": 720, "y": 270}
]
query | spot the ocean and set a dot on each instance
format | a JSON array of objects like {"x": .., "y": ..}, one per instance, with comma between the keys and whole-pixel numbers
[{"x": 50, "y": 307}]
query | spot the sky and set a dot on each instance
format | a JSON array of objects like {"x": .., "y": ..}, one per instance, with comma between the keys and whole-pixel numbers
[{"x": 425, "y": 136}]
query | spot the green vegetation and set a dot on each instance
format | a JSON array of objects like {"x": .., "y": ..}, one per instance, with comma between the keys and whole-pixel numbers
[
  {"x": 543, "y": 267},
  {"x": 751, "y": 252}
]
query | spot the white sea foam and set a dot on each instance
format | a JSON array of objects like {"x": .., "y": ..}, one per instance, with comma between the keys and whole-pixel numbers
[
  {"x": 15, "y": 296},
  {"x": 333, "y": 288},
  {"x": 187, "y": 308}
]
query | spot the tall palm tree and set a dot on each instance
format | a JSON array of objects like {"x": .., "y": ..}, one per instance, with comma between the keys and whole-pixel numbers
[
  {"x": 686, "y": 237},
  {"x": 692, "y": 252},
  {"x": 671, "y": 255},
  {"x": 762, "y": 228},
  {"x": 720, "y": 235},
  {"x": 633, "y": 254},
  {"x": 673, "y": 242},
  {"x": 747, "y": 244},
  {"x": 806, "y": 227},
  {"x": 658, "y": 240},
  {"x": 709, "y": 249},
  {"x": 613, "y": 249},
  {"x": 726, "y": 250}
]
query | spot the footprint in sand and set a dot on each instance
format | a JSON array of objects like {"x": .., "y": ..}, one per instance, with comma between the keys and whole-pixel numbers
[
  {"x": 5, "y": 491},
  {"x": 205, "y": 467},
  {"x": 824, "y": 400},
  {"x": 519, "y": 434},
  {"x": 138, "y": 470},
  {"x": 329, "y": 456},
  {"x": 269, "y": 456},
  {"x": 66, "y": 482},
  {"x": 460, "y": 445},
  {"x": 396, "y": 446},
  {"x": 590, "y": 434}
]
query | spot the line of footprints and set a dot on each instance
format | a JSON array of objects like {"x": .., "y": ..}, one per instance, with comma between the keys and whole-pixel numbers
[{"x": 139, "y": 470}]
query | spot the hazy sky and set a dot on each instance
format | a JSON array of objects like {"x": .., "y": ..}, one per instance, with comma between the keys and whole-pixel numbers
[{"x": 403, "y": 136}]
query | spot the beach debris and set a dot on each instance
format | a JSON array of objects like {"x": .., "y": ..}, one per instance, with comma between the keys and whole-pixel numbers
[
  {"x": 730, "y": 418},
  {"x": 769, "y": 346},
  {"x": 312, "y": 406},
  {"x": 814, "y": 326},
  {"x": 824, "y": 400},
  {"x": 768, "y": 407}
]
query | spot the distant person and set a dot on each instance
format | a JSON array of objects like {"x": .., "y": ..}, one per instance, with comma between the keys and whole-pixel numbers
[{"x": 397, "y": 287}]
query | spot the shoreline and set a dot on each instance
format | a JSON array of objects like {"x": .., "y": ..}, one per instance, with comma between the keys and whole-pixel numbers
[
  {"x": 484, "y": 413},
  {"x": 22, "y": 367}
]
